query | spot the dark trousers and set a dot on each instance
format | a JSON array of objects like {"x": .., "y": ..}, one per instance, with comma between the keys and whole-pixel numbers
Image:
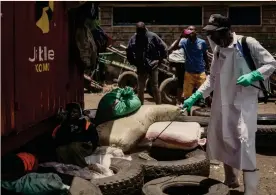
[{"x": 153, "y": 78}]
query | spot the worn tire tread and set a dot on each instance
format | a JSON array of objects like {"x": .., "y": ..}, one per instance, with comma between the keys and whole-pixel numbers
[
  {"x": 155, "y": 187},
  {"x": 165, "y": 98},
  {"x": 128, "y": 180},
  {"x": 122, "y": 80},
  {"x": 196, "y": 163},
  {"x": 205, "y": 112}
]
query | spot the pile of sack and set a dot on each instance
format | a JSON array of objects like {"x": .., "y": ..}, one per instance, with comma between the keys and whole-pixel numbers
[
  {"x": 122, "y": 122},
  {"x": 84, "y": 147}
]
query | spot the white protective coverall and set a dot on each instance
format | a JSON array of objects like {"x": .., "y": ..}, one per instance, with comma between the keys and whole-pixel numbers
[{"x": 233, "y": 124}]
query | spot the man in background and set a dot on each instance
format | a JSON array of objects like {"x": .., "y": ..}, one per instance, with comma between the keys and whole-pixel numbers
[
  {"x": 177, "y": 60},
  {"x": 146, "y": 50},
  {"x": 195, "y": 50}
]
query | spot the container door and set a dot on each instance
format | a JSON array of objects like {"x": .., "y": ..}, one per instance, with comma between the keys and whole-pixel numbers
[
  {"x": 41, "y": 60},
  {"x": 7, "y": 68}
]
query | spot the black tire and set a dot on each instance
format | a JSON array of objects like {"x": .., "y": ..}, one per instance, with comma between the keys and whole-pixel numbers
[
  {"x": 128, "y": 179},
  {"x": 190, "y": 163},
  {"x": 168, "y": 89},
  {"x": 128, "y": 78},
  {"x": 266, "y": 119},
  {"x": 203, "y": 121},
  {"x": 185, "y": 184},
  {"x": 81, "y": 186},
  {"x": 205, "y": 112},
  {"x": 266, "y": 136},
  {"x": 263, "y": 119}
]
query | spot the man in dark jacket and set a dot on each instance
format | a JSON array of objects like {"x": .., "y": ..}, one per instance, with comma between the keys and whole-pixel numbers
[{"x": 146, "y": 50}]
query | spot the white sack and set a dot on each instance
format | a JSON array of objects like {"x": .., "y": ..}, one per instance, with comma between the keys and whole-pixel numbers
[
  {"x": 126, "y": 132},
  {"x": 177, "y": 56},
  {"x": 100, "y": 171},
  {"x": 103, "y": 155},
  {"x": 178, "y": 135}
]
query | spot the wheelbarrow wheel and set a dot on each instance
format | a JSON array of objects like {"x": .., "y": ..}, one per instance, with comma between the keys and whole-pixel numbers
[
  {"x": 168, "y": 91},
  {"x": 128, "y": 78}
]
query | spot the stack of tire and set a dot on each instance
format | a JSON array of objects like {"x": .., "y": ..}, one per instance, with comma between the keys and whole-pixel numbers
[
  {"x": 153, "y": 168},
  {"x": 186, "y": 173},
  {"x": 132, "y": 176},
  {"x": 266, "y": 132},
  {"x": 185, "y": 184},
  {"x": 129, "y": 179},
  {"x": 166, "y": 84}
]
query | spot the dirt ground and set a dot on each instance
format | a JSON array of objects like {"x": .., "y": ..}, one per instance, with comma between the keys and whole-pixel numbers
[{"x": 266, "y": 162}]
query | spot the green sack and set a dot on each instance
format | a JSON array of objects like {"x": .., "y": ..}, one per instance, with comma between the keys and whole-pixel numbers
[
  {"x": 36, "y": 184},
  {"x": 116, "y": 104}
]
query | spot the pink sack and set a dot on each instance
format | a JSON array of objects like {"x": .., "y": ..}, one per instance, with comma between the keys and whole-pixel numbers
[{"x": 178, "y": 135}]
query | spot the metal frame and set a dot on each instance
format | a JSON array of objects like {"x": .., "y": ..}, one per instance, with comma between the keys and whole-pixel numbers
[
  {"x": 161, "y": 5},
  {"x": 261, "y": 14}
]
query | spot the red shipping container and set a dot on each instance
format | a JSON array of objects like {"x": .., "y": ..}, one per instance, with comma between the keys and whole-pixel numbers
[{"x": 36, "y": 74}]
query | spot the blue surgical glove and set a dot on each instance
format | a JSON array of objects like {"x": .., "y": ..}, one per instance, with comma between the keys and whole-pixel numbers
[
  {"x": 247, "y": 79},
  {"x": 188, "y": 103}
]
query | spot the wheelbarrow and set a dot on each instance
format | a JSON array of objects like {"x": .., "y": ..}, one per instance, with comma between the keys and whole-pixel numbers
[{"x": 164, "y": 73}]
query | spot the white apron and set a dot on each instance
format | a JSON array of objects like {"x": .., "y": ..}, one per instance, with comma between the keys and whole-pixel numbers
[{"x": 231, "y": 132}]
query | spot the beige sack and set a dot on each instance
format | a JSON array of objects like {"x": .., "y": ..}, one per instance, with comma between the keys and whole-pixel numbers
[
  {"x": 178, "y": 135},
  {"x": 127, "y": 131}
]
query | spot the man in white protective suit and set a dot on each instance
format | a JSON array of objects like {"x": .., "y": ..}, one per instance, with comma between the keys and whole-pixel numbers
[{"x": 233, "y": 124}]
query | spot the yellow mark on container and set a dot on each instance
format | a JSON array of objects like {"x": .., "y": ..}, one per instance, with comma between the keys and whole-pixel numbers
[
  {"x": 42, "y": 67},
  {"x": 44, "y": 15}
]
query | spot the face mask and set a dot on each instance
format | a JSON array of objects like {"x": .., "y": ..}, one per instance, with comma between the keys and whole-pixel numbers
[
  {"x": 220, "y": 38},
  {"x": 215, "y": 39}
]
